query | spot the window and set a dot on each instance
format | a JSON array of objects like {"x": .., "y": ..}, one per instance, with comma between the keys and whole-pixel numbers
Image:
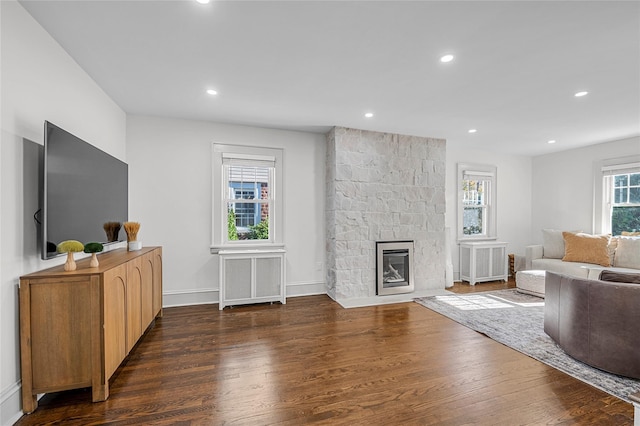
[
  {"x": 246, "y": 211},
  {"x": 476, "y": 202},
  {"x": 248, "y": 219},
  {"x": 621, "y": 198}
]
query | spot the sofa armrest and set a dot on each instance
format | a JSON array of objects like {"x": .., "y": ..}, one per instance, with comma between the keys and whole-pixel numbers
[{"x": 532, "y": 253}]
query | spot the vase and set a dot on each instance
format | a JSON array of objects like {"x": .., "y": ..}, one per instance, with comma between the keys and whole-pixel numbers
[{"x": 135, "y": 245}]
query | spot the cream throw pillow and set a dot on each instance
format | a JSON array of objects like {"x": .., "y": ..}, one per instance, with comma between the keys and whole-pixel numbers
[
  {"x": 628, "y": 253},
  {"x": 586, "y": 248},
  {"x": 553, "y": 244}
]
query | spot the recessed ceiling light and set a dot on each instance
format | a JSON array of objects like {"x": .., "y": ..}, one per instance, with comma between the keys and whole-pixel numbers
[
  {"x": 212, "y": 92},
  {"x": 203, "y": 1},
  {"x": 368, "y": 114},
  {"x": 551, "y": 141},
  {"x": 446, "y": 58},
  {"x": 581, "y": 94},
  {"x": 472, "y": 130}
]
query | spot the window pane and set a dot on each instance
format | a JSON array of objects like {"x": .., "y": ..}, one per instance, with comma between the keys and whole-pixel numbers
[
  {"x": 474, "y": 192},
  {"x": 472, "y": 220},
  {"x": 253, "y": 180},
  {"x": 634, "y": 179},
  {"x": 625, "y": 219},
  {"x": 634, "y": 195},
  {"x": 245, "y": 214},
  {"x": 621, "y": 180},
  {"x": 244, "y": 194},
  {"x": 248, "y": 221},
  {"x": 620, "y": 195}
]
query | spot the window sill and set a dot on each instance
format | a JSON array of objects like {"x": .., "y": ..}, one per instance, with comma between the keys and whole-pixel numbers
[
  {"x": 479, "y": 239},
  {"x": 247, "y": 248}
]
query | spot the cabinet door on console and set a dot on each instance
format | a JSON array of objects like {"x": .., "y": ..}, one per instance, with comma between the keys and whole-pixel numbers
[
  {"x": 134, "y": 302},
  {"x": 157, "y": 281},
  {"x": 61, "y": 318},
  {"x": 115, "y": 332},
  {"x": 147, "y": 290}
]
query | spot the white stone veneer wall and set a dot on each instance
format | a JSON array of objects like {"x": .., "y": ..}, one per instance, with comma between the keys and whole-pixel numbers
[{"x": 383, "y": 187}]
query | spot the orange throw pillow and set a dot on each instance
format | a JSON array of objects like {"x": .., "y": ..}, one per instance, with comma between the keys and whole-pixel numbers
[{"x": 586, "y": 248}]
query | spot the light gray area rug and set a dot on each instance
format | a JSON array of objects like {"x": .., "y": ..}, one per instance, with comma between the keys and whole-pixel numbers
[{"x": 517, "y": 320}]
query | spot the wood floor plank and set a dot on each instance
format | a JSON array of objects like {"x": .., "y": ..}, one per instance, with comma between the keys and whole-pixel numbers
[{"x": 311, "y": 361}]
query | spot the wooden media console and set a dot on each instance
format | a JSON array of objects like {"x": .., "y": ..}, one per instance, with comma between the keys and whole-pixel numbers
[{"x": 77, "y": 327}]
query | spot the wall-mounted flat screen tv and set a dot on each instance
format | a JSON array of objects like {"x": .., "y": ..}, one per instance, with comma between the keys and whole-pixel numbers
[{"x": 83, "y": 189}]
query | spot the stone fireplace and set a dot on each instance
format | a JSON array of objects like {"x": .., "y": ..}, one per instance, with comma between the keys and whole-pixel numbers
[{"x": 383, "y": 187}]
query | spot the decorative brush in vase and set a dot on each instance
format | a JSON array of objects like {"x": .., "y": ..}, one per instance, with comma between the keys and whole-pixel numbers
[
  {"x": 132, "y": 228},
  {"x": 112, "y": 229}
]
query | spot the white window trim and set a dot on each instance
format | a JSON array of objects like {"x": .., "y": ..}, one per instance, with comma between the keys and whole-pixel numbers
[
  {"x": 491, "y": 173},
  {"x": 602, "y": 196},
  {"x": 241, "y": 154}
]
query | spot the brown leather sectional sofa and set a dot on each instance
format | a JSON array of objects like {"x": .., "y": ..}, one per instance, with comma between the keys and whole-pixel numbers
[{"x": 596, "y": 322}]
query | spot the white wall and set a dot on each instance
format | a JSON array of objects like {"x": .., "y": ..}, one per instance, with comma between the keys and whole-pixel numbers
[
  {"x": 170, "y": 195},
  {"x": 514, "y": 197},
  {"x": 563, "y": 186},
  {"x": 39, "y": 82}
]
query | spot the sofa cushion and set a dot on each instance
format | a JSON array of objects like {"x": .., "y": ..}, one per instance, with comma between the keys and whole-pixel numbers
[
  {"x": 627, "y": 253},
  {"x": 586, "y": 248},
  {"x": 574, "y": 269},
  {"x": 553, "y": 244},
  {"x": 619, "y": 277},
  {"x": 595, "y": 270}
]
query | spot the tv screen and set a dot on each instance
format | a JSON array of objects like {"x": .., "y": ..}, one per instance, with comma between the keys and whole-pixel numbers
[{"x": 84, "y": 188}]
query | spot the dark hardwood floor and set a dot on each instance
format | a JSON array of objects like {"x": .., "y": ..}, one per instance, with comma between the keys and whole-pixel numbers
[
  {"x": 464, "y": 287},
  {"x": 311, "y": 361}
]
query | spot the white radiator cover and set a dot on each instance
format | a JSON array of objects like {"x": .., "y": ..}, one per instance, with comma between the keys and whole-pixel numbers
[
  {"x": 483, "y": 261},
  {"x": 251, "y": 276}
]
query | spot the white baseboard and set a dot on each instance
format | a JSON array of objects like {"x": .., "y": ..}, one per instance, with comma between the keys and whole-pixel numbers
[
  {"x": 306, "y": 288},
  {"x": 200, "y": 296},
  {"x": 204, "y": 296},
  {"x": 10, "y": 405},
  {"x": 392, "y": 298}
]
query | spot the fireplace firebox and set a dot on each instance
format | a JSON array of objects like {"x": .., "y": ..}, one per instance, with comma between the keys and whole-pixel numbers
[{"x": 394, "y": 267}]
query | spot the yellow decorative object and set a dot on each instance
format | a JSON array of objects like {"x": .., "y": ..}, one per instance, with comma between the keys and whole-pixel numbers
[
  {"x": 131, "y": 228},
  {"x": 70, "y": 247}
]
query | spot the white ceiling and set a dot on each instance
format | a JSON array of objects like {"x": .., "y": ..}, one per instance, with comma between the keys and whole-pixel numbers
[{"x": 310, "y": 65}]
